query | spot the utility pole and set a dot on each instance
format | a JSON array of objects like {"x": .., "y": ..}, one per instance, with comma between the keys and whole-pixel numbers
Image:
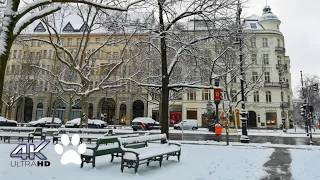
[{"x": 244, "y": 137}]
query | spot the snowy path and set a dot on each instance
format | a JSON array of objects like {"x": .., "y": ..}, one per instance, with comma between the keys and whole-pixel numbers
[{"x": 278, "y": 167}]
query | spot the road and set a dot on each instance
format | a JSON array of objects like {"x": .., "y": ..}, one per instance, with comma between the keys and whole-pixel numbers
[{"x": 253, "y": 139}]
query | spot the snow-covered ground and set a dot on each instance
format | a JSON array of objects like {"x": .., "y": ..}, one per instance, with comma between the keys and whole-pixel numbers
[
  {"x": 197, "y": 162},
  {"x": 305, "y": 164}
]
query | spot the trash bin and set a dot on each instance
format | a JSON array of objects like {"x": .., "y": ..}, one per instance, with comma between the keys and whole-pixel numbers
[{"x": 218, "y": 129}]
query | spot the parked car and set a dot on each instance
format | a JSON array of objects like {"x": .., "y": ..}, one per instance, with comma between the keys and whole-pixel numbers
[
  {"x": 43, "y": 121},
  {"x": 187, "y": 124},
  {"x": 95, "y": 123},
  {"x": 6, "y": 122},
  {"x": 144, "y": 123},
  {"x": 98, "y": 123}
]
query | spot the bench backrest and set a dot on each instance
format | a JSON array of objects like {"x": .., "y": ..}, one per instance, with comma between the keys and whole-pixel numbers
[
  {"x": 37, "y": 131},
  {"x": 142, "y": 139},
  {"x": 107, "y": 140}
]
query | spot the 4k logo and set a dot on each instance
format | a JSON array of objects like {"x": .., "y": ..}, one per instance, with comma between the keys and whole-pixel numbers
[{"x": 25, "y": 151}]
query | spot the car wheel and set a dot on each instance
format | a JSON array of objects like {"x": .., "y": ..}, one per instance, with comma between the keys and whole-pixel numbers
[
  {"x": 178, "y": 128},
  {"x": 38, "y": 125},
  {"x": 134, "y": 129},
  {"x": 194, "y": 128}
]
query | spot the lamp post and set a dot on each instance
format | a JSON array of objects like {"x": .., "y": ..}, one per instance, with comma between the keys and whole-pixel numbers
[
  {"x": 244, "y": 137},
  {"x": 281, "y": 75},
  {"x": 217, "y": 98}
]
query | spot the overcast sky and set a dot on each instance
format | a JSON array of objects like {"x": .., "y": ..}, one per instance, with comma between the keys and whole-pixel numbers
[{"x": 299, "y": 25}]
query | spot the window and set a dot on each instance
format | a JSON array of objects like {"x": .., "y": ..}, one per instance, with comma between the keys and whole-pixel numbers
[
  {"x": 268, "y": 96},
  {"x": 264, "y": 42},
  {"x": 13, "y": 69},
  {"x": 234, "y": 79},
  {"x": 256, "y": 96},
  {"x": 282, "y": 96},
  {"x": 20, "y": 54},
  {"x": 43, "y": 71},
  {"x": 50, "y": 54},
  {"x": 265, "y": 58},
  {"x": 279, "y": 59},
  {"x": 253, "y": 25},
  {"x": 254, "y": 76},
  {"x": 33, "y": 43},
  {"x": 14, "y": 54},
  {"x": 78, "y": 41},
  {"x": 62, "y": 41},
  {"x": 115, "y": 55},
  {"x": 206, "y": 94},
  {"x": 33, "y": 55},
  {"x": 271, "y": 118},
  {"x": 191, "y": 94},
  {"x": 98, "y": 40},
  {"x": 38, "y": 55},
  {"x": 45, "y": 54},
  {"x": 253, "y": 42},
  {"x": 39, "y": 43},
  {"x": 267, "y": 77},
  {"x": 69, "y": 41},
  {"x": 289, "y": 99},
  {"x": 109, "y": 55},
  {"x": 254, "y": 58},
  {"x": 279, "y": 43}
]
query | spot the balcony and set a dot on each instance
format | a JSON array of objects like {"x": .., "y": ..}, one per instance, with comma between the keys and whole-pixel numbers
[
  {"x": 282, "y": 66},
  {"x": 285, "y": 105},
  {"x": 276, "y": 84},
  {"x": 280, "y": 49}
]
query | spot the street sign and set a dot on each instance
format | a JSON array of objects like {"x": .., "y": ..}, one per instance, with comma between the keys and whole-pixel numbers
[{"x": 217, "y": 92}]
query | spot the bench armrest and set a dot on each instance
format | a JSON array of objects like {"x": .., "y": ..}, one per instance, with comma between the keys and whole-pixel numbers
[{"x": 175, "y": 143}]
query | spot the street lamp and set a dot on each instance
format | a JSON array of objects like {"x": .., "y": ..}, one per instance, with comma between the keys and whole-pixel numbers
[
  {"x": 244, "y": 137},
  {"x": 217, "y": 98}
]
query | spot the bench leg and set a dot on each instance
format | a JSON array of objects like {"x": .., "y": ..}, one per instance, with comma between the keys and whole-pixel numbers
[
  {"x": 81, "y": 161},
  {"x": 148, "y": 162},
  {"x": 179, "y": 155},
  {"x": 9, "y": 139},
  {"x": 136, "y": 167},
  {"x": 93, "y": 162},
  {"x": 112, "y": 156},
  {"x": 160, "y": 161},
  {"x": 168, "y": 157},
  {"x": 122, "y": 164}
]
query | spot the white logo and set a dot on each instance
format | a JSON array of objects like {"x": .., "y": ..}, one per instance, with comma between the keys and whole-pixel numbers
[{"x": 70, "y": 156}]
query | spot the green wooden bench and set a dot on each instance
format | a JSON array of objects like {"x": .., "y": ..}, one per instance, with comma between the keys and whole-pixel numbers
[
  {"x": 132, "y": 158},
  {"x": 105, "y": 146}
]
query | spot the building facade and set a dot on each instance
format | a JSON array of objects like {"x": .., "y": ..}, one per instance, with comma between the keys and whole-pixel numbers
[
  {"x": 42, "y": 98},
  {"x": 265, "y": 106}
]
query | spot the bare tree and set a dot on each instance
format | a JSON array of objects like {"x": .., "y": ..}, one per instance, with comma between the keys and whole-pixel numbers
[
  {"x": 177, "y": 50},
  {"x": 16, "y": 15}
]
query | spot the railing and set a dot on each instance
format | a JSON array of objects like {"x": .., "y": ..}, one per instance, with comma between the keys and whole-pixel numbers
[
  {"x": 280, "y": 49},
  {"x": 276, "y": 84},
  {"x": 285, "y": 105}
]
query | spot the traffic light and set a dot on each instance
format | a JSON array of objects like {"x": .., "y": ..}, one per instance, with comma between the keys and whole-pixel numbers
[
  {"x": 315, "y": 87},
  {"x": 303, "y": 109}
]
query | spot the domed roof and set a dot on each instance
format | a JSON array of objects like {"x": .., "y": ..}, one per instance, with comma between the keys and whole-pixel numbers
[{"x": 267, "y": 14}]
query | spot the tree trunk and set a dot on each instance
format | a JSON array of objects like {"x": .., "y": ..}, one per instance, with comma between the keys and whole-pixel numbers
[
  {"x": 9, "y": 110},
  {"x": 22, "y": 109},
  {"x": 165, "y": 76},
  {"x": 84, "y": 108},
  {"x": 69, "y": 110}
]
